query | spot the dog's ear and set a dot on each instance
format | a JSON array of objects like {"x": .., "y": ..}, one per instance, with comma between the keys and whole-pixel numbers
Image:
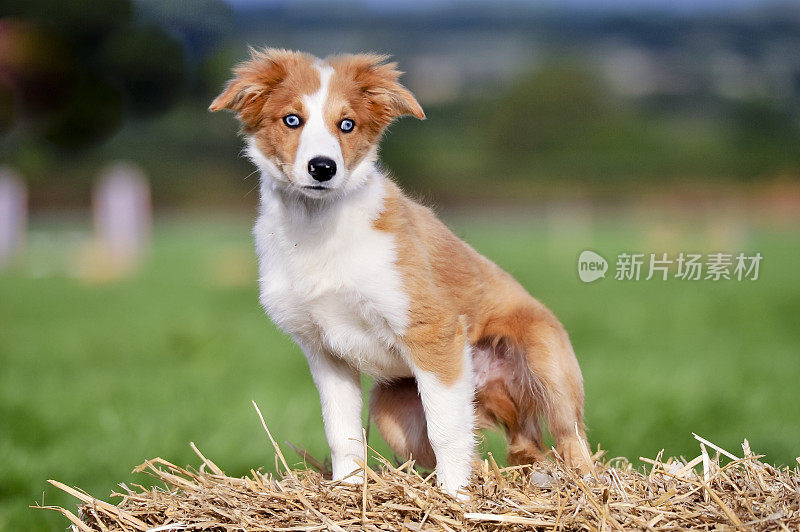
[
  {"x": 378, "y": 82},
  {"x": 252, "y": 83}
]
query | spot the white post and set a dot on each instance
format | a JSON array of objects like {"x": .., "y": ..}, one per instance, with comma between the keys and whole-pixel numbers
[
  {"x": 13, "y": 215},
  {"x": 122, "y": 216}
]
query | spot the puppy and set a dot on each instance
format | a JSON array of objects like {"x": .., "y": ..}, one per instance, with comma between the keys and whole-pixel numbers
[{"x": 366, "y": 280}]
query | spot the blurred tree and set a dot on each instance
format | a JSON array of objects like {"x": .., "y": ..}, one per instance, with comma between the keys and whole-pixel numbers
[
  {"x": 37, "y": 66},
  {"x": 200, "y": 24},
  {"x": 547, "y": 109},
  {"x": 92, "y": 112},
  {"x": 77, "y": 70},
  {"x": 148, "y": 67},
  {"x": 763, "y": 135},
  {"x": 761, "y": 121},
  {"x": 6, "y": 109}
]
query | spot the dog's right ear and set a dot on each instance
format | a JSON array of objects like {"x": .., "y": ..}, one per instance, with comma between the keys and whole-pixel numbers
[{"x": 253, "y": 81}]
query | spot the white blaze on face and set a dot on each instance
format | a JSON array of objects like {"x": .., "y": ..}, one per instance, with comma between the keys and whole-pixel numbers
[{"x": 316, "y": 140}]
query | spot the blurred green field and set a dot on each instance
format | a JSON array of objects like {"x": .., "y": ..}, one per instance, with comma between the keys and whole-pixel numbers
[{"x": 97, "y": 378}]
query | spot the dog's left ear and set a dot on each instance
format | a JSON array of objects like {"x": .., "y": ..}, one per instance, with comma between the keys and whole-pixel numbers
[{"x": 379, "y": 83}]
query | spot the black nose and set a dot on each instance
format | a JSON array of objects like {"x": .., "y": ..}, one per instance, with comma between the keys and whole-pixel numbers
[{"x": 322, "y": 168}]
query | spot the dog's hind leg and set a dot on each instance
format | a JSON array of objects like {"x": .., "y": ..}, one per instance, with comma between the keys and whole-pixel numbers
[
  {"x": 518, "y": 414},
  {"x": 551, "y": 359},
  {"x": 396, "y": 409},
  {"x": 525, "y": 442}
]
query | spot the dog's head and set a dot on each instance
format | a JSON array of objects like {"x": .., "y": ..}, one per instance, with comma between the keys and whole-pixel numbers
[{"x": 313, "y": 125}]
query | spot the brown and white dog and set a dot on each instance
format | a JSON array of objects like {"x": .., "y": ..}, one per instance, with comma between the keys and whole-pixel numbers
[{"x": 366, "y": 280}]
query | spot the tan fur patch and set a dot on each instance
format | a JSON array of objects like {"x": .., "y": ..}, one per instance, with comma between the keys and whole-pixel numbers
[
  {"x": 267, "y": 87},
  {"x": 435, "y": 336},
  {"x": 448, "y": 282},
  {"x": 397, "y": 411},
  {"x": 365, "y": 89}
]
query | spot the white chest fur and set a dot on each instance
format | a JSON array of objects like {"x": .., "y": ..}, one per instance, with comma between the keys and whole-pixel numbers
[{"x": 330, "y": 279}]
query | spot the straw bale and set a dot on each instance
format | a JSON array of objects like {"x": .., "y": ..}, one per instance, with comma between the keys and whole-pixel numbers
[{"x": 716, "y": 490}]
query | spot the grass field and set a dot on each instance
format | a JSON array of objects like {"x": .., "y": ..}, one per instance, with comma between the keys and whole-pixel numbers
[{"x": 96, "y": 378}]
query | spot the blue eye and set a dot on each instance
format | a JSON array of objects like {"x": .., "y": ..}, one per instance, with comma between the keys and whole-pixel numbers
[
  {"x": 292, "y": 121},
  {"x": 347, "y": 125}
]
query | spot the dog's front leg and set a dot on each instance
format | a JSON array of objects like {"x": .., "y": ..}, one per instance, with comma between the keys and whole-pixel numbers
[
  {"x": 339, "y": 387},
  {"x": 444, "y": 378}
]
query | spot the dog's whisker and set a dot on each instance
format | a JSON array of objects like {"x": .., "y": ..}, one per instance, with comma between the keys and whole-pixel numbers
[
  {"x": 251, "y": 190},
  {"x": 248, "y": 176}
]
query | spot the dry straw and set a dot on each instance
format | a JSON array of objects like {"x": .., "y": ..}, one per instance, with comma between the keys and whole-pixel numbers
[{"x": 718, "y": 490}]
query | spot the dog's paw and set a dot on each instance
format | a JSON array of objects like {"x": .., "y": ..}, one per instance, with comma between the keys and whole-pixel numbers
[
  {"x": 356, "y": 478},
  {"x": 462, "y": 496},
  {"x": 458, "y": 493}
]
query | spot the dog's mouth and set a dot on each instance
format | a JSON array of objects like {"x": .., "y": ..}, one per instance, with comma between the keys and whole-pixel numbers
[{"x": 316, "y": 192}]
